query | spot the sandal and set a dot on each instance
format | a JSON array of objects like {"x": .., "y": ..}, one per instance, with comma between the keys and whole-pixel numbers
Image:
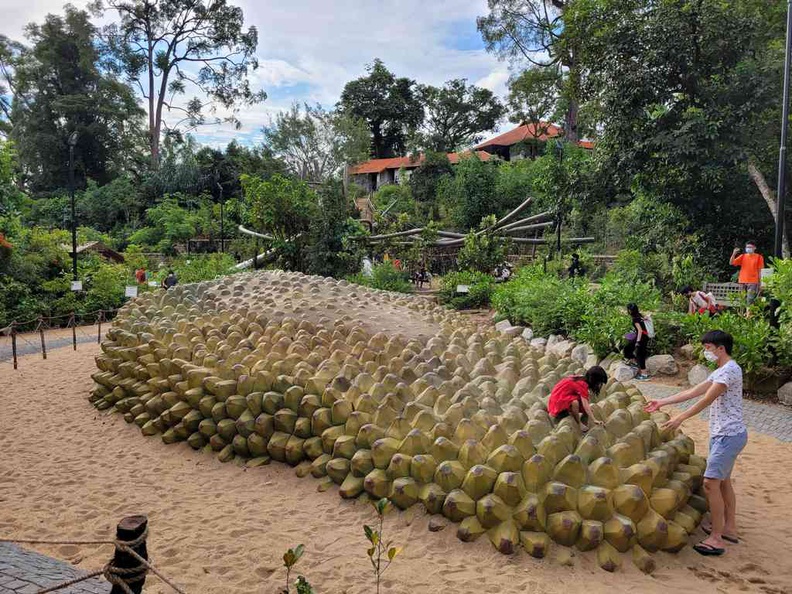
[
  {"x": 708, "y": 550},
  {"x": 732, "y": 539}
]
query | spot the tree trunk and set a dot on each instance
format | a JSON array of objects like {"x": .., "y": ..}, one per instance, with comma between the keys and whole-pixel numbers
[
  {"x": 770, "y": 199},
  {"x": 153, "y": 137}
]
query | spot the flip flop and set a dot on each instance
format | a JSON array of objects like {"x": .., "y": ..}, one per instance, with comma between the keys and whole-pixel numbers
[
  {"x": 725, "y": 537},
  {"x": 708, "y": 550}
]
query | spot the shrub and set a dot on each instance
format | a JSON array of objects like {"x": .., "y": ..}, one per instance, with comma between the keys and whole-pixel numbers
[
  {"x": 481, "y": 288},
  {"x": 482, "y": 251},
  {"x": 193, "y": 269},
  {"x": 385, "y": 277}
]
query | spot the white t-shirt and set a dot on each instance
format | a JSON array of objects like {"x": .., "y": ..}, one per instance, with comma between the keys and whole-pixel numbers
[{"x": 726, "y": 413}]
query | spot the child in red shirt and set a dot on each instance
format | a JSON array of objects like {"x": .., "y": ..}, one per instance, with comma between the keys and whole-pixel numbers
[{"x": 570, "y": 396}]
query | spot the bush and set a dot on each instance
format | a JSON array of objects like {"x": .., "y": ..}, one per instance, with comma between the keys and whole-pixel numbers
[
  {"x": 385, "y": 277},
  {"x": 482, "y": 251},
  {"x": 481, "y": 289},
  {"x": 193, "y": 269}
]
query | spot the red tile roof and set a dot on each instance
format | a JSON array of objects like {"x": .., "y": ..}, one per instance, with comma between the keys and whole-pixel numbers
[
  {"x": 379, "y": 165},
  {"x": 530, "y": 132}
]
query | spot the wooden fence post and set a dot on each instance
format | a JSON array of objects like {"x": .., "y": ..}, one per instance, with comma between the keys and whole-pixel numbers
[
  {"x": 73, "y": 324},
  {"x": 99, "y": 333},
  {"x": 41, "y": 333},
  {"x": 128, "y": 530},
  {"x": 13, "y": 343}
]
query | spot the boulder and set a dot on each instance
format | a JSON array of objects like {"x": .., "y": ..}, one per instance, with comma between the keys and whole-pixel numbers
[
  {"x": 562, "y": 348},
  {"x": 698, "y": 374},
  {"x": 591, "y": 361},
  {"x": 622, "y": 372},
  {"x": 785, "y": 394},
  {"x": 581, "y": 353},
  {"x": 608, "y": 361},
  {"x": 688, "y": 351},
  {"x": 661, "y": 364},
  {"x": 539, "y": 343},
  {"x": 553, "y": 339},
  {"x": 503, "y": 325},
  {"x": 513, "y": 331},
  {"x": 527, "y": 334}
]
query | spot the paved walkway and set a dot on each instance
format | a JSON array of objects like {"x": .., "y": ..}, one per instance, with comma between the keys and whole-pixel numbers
[
  {"x": 770, "y": 419},
  {"x": 27, "y": 572}
]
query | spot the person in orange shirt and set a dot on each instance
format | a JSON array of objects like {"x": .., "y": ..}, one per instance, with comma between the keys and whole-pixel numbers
[{"x": 751, "y": 265}]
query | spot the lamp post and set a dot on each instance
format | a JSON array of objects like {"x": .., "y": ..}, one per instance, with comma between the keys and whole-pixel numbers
[
  {"x": 222, "y": 218},
  {"x": 781, "y": 197},
  {"x": 72, "y": 144}
]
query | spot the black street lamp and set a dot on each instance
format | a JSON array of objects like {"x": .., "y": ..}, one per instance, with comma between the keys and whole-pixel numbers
[
  {"x": 72, "y": 144},
  {"x": 781, "y": 198}
]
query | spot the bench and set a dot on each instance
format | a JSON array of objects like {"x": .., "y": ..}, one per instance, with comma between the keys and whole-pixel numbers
[{"x": 726, "y": 294}]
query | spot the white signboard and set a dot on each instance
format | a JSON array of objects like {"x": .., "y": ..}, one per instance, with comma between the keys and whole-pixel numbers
[
  {"x": 463, "y": 289},
  {"x": 76, "y": 286},
  {"x": 765, "y": 273},
  {"x": 153, "y": 284},
  {"x": 131, "y": 291}
]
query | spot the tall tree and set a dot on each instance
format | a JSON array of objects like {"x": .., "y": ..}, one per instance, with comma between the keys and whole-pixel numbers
[
  {"x": 10, "y": 55},
  {"x": 457, "y": 114},
  {"x": 165, "y": 45},
  {"x": 316, "y": 144},
  {"x": 688, "y": 93},
  {"x": 534, "y": 98},
  {"x": 61, "y": 88},
  {"x": 389, "y": 106},
  {"x": 533, "y": 32}
]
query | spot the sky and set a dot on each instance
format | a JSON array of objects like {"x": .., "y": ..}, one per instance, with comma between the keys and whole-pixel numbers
[{"x": 308, "y": 49}]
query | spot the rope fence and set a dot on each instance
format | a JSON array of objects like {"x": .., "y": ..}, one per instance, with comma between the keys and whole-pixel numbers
[
  {"x": 25, "y": 330},
  {"x": 127, "y": 570}
]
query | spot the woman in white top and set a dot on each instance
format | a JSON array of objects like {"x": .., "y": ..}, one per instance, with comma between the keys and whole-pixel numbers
[{"x": 700, "y": 302}]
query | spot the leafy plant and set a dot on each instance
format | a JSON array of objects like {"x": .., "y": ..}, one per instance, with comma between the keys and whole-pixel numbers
[
  {"x": 290, "y": 559},
  {"x": 379, "y": 546},
  {"x": 385, "y": 277},
  {"x": 483, "y": 250},
  {"x": 481, "y": 287}
]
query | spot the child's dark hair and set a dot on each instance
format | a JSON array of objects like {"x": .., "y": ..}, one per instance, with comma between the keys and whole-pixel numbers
[
  {"x": 750, "y": 242},
  {"x": 686, "y": 290},
  {"x": 596, "y": 377},
  {"x": 720, "y": 339},
  {"x": 634, "y": 312}
]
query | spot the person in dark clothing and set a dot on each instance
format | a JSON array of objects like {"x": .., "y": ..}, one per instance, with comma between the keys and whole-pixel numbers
[
  {"x": 170, "y": 280},
  {"x": 575, "y": 268},
  {"x": 637, "y": 342}
]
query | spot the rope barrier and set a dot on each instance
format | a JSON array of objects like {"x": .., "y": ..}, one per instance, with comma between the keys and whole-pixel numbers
[{"x": 118, "y": 576}]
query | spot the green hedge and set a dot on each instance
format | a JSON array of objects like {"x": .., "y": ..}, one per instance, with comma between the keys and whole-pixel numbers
[{"x": 481, "y": 288}]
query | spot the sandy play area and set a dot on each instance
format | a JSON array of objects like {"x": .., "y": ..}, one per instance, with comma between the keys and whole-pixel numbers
[{"x": 68, "y": 471}]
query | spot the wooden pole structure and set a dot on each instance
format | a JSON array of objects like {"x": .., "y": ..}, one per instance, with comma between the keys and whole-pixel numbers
[
  {"x": 131, "y": 529},
  {"x": 13, "y": 343},
  {"x": 41, "y": 334},
  {"x": 73, "y": 323},
  {"x": 99, "y": 332}
]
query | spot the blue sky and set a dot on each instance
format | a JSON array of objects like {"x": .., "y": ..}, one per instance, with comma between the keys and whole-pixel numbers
[{"x": 308, "y": 49}]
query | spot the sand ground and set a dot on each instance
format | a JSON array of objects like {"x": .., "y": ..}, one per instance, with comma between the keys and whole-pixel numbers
[{"x": 68, "y": 471}]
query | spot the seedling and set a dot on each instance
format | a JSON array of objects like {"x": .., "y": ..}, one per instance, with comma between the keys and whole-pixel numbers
[{"x": 378, "y": 545}]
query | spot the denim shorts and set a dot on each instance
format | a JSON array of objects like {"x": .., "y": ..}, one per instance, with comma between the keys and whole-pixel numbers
[{"x": 723, "y": 452}]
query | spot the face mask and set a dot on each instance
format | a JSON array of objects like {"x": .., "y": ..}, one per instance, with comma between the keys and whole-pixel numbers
[
  {"x": 710, "y": 356},
  {"x": 750, "y": 250}
]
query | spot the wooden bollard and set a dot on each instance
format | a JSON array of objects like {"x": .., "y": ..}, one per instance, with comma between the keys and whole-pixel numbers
[
  {"x": 128, "y": 530},
  {"x": 13, "y": 343},
  {"x": 99, "y": 333},
  {"x": 41, "y": 334}
]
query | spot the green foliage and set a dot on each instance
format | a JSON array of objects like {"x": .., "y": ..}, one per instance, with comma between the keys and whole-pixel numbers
[
  {"x": 61, "y": 87},
  {"x": 384, "y": 277},
  {"x": 196, "y": 268},
  {"x": 290, "y": 559},
  {"x": 481, "y": 286},
  {"x": 470, "y": 195},
  {"x": 780, "y": 286},
  {"x": 387, "y": 104},
  {"x": 427, "y": 180},
  {"x": 316, "y": 144},
  {"x": 534, "y": 97},
  {"x": 169, "y": 224},
  {"x": 483, "y": 250},
  {"x": 379, "y": 546},
  {"x": 394, "y": 200},
  {"x": 457, "y": 114},
  {"x": 336, "y": 248}
]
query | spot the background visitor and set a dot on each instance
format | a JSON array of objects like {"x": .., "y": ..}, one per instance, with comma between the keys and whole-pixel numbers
[
  {"x": 700, "y": 302},
  {"x": 170, "y": 280},
  {"x": 637, "y": 346},
  {"x": 751, "y": 264}
]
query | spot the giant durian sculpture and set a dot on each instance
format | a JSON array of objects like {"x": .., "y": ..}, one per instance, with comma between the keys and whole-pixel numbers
[{"x": 387, "y": 395}]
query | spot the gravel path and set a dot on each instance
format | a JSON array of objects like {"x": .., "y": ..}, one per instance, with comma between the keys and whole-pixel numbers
[
  {"x": 27, "y": 572},
  {"x": 770, "y": 419}
]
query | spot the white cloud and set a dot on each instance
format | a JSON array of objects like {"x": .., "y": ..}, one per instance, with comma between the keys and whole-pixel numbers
[{"x": 316, "y": 46}]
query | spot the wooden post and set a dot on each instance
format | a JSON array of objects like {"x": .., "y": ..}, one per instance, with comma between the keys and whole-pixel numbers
[
  {"x": 13, "y": 343},
  {"x": 73, "y": 323},
  {"x": 41, "y": 333},
  {"x": 99, "y": 333},
  {"x": 129, "y": 529}
]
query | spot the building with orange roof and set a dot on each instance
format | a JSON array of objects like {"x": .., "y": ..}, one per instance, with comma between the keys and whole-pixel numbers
[{"x": 526, "y": 141}]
